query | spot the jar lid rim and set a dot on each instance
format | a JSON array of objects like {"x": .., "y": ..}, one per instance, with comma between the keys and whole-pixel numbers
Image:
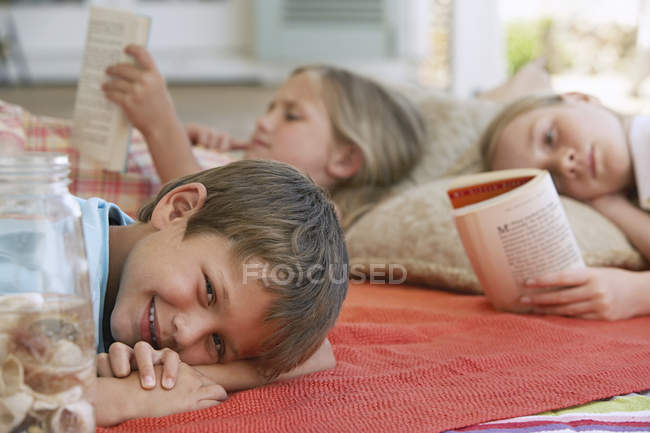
[{"x": 35, "y": 159}]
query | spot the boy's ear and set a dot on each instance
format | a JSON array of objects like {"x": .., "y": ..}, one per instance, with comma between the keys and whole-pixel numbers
[
  {"x": 580, "y": 97},
  {"x": 345, "y": 161},
  {"x": 180, "y": 202}
]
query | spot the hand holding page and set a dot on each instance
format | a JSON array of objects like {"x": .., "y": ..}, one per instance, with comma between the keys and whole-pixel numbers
[
  {"x": 513, "y": 227},
  {"x": 100, "y": 130}
]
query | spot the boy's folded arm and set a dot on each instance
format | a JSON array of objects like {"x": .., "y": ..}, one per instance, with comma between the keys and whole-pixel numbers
[
  {"x": 110, "y": 405},
  {"x": 241, "y": 375},
  {"x": 119, "y": 399}
]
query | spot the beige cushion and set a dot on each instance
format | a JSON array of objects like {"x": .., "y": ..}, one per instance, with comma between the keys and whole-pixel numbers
[
  {"x": 454, "y": 128},
  {"x": 414, "y": 228}
]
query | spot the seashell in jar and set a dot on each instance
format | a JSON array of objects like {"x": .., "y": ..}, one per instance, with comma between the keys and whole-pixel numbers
[
  {"x": 55, "y": 328},
  {"x": 36, "y": 339},
  {"x": 52, "y": 379},
  {"x": 13, "y": 410},
  {"x": 12, "y": 376},
  {"x": 76, "y": 417},
  {"x": 67, "y": 354},
  {"x": 17, "y": 302},
  {"x": 4, "y": 346},
  {"x": 53, "y": 401}
]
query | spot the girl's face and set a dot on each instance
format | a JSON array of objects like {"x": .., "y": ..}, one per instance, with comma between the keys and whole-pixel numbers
[
  {"x": 296, "y": 129},
  {"x": 582, "y": 144}
]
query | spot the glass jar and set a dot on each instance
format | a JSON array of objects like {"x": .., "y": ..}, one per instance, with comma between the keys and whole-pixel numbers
[{"x": 47, "y": 331}]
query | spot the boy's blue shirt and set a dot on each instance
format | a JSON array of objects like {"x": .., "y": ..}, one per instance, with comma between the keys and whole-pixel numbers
[{"x": 96, "y": 217}]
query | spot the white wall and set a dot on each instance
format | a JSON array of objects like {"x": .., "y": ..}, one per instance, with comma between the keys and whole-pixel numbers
[
  {"x": 195, "y": 41},
  {"x": 190, "y": 40},
  {"x": 478, "y": 47}
]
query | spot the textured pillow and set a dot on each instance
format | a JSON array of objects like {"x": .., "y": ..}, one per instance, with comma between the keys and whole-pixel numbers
[
  {"x": 413, "y": 227},
  {"x": 454, "y": 127},
  {"x": 414, "y": 230}
]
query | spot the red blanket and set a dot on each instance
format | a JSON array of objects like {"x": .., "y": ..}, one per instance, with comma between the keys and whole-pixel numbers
[{"x": 421, "y": 360}]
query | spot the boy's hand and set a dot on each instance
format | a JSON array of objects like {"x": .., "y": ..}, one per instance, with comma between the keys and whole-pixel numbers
[
  {"x": 589, "y": 293},
  {"x": 121, "y": 360},
  {"x": 193, "y": 391},
  {"x": 140, "y": 91},
  {"x": 204, "y": 136}
]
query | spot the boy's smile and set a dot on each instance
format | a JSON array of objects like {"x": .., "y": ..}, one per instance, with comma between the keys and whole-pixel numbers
[
  {"x": 149, "y": 327},
  {"x": 188, "y": 294}
]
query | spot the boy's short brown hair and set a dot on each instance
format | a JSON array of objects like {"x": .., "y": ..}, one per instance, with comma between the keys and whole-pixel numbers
[{"x": 273, "y": 213}]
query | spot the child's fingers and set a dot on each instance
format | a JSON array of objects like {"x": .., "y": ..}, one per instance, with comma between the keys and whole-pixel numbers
[
  {"x": 144, "y": 359},
  {"x": 215, "y": 141},
  {"x": 212, "y": 392},
  {"x": 206, "y": 403},
  {"x": 117, "y": 86},
  {"x": 120, "y": 359},
  {"x": 170, "y": 361},
  {"x": 558, "y": 297},
  {"x": 104, "y": 365},
  {"x": 220, "y": 142},
  {"x": 575, "y": 309},
  {"x": 125, "y": 71},
  {"x": 141, "y": 55},
  {"x": 239, "y": 144},
  {"x": 568, "y": 277}
]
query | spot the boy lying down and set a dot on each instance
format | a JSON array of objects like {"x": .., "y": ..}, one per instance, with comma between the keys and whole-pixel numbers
[{"x": 230, "y": 278}]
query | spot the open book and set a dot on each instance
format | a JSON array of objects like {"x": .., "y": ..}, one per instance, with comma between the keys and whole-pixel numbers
[
  {"x": 513, "y": 227},
  {"x": 100, "y": 130}
]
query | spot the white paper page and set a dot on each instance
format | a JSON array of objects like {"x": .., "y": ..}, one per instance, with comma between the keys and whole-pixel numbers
[{"x": 100, "y": 128}]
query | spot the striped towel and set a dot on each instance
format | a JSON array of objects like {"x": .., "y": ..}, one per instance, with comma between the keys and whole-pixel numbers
[{"x": 627, "y": 413}]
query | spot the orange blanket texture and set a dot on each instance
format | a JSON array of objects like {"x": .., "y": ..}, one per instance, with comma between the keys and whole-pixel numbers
[{"x": 416, "y": 360}]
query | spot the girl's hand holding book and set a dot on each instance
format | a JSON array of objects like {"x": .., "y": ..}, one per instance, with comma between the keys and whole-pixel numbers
[
  {"x": 140, "y": 90},
  {"x": 204, "y": 136},
  {"x": 591, "y": 293}
]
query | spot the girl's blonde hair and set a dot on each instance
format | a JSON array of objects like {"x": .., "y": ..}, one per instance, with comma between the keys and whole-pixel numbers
[
  {"x": 385, "y": 125},
  {"x": 494, "y": 129}
]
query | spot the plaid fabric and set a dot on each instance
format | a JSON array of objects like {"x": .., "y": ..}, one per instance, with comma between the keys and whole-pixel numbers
[{"x": 21, "y": 130}]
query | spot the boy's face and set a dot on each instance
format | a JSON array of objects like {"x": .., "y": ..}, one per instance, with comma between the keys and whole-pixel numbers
[
  {"x": 296, "y": 129},
  {"x": 189, "y": 295},
  {"x": 582, "y": 144}
]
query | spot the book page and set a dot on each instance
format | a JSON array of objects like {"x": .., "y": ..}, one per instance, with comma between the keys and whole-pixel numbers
[
  {"x": 520, "y": 237},
  {"x": 100, "y": 128}
]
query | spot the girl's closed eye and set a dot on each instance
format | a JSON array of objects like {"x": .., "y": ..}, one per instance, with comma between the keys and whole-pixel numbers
[
  {"x": 209, "y": 290},
  {"x": 292, "y": 116},
  {"x": 550, "y": 136}
]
